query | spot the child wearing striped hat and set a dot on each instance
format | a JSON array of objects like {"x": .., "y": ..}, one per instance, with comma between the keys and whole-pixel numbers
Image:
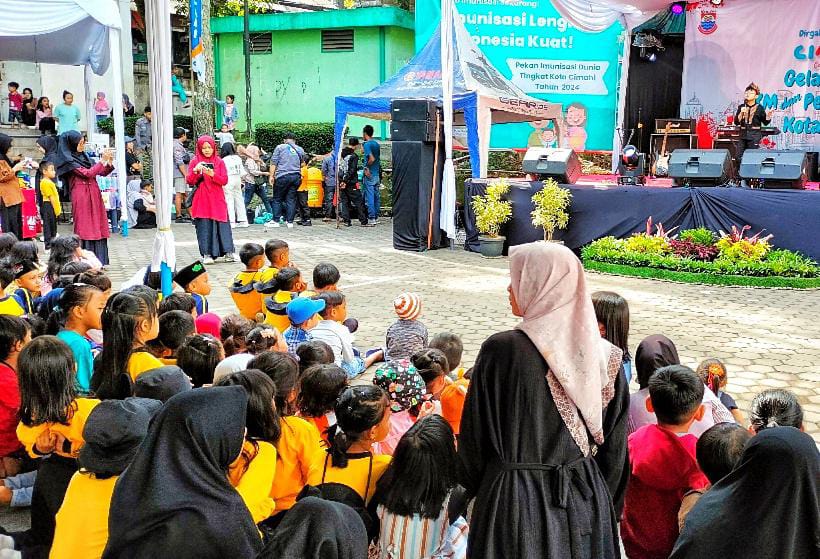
[{"x": 407, "y": 335}]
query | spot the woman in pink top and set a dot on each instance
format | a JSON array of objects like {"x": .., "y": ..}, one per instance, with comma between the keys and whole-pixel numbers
[{"x": 208, "y": 176}]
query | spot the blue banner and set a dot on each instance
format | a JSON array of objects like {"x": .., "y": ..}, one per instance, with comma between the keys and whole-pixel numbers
[
  {"x": 540, "y": 52},
  {"x": 197, "y": 54}
]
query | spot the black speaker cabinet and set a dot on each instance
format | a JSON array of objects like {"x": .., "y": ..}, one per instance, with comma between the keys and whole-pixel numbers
[
  {"x": 413, "y": 109},
  {"x": 562, "y": 164},
  {"x": 777, "y": 169},
  {"x": 413, "y": 167},
  {"x": 700, "y": 167},
  {"x": 814, "y": 165},
  {"x": 415, "y": 131}
]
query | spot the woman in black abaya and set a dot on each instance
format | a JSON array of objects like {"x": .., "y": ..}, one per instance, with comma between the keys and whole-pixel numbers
[
  {"x": 175, "y": 500},
  {"x": 536, "y": 411},
  {"x": 768, "y": 506}
]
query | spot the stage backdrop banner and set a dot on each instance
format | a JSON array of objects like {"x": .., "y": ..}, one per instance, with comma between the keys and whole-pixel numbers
[
  {"x": 544, "y": 55},
  {"x": 773, "y": 44}
]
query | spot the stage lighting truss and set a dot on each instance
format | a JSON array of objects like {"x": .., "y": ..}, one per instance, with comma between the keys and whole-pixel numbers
[{"x": 650, "y": 44}]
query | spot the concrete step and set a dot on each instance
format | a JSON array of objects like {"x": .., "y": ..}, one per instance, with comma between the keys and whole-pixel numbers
[{"x": 24, "y": 141}]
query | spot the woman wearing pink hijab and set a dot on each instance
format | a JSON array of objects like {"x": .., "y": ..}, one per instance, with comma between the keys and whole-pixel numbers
[
  {"x": 208, "y": 176},
  {"x": 540, "y": 421}
]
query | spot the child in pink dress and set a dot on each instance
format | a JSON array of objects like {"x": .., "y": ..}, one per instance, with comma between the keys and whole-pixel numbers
[{"x": 406, "y": 390}]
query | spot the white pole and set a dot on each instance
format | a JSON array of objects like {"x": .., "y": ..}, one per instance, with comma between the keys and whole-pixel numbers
[
  {"x": 90, "y": 115},
  {"x": 119, "y": 122},
  {"x": 448, "y": 180}
]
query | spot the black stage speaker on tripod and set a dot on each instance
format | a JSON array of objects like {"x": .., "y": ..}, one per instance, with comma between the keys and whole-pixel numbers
[
  {"x": 414, "y": 164},
  {"x": 776, "y": 168},
  {"x": 700, "y": 167}
]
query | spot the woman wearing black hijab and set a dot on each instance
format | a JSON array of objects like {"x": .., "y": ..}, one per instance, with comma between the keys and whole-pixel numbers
[
  {"x": 768, "y": 506},
  {"x": 77, "y": 171},
  {"x": 175, "y": 500},
  {"x": 11, "y": 197},
  {"x": 48, "y": 147}
]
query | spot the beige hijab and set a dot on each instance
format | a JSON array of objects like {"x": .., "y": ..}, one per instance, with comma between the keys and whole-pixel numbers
[
  {"x": 253, "y": 152},
  {"x": 550, "y": 288}
]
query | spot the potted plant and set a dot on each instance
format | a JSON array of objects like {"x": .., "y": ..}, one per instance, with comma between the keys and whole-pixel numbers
[
  {"x": 550, "y": 208},
  {"x": 491, "y": 212}
]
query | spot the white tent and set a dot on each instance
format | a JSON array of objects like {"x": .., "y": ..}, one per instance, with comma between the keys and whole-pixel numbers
[{"x": 71, "y": 32}]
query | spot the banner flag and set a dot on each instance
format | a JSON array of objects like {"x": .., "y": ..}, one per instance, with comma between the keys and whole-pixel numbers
[{"x": 197, "y": 55}]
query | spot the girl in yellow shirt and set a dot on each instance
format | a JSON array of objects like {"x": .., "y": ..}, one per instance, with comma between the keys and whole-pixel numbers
[
  {"x": 113, "y": 433},
  {"x": 128, "y": 322},
  {"x": 52, "y": 419},
  {"x": 363, "y": 419},
  {"x": 252, "y": 473}
]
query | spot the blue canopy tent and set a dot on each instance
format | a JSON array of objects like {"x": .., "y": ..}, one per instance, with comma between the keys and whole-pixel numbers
[{"x": 481, "y": 95}]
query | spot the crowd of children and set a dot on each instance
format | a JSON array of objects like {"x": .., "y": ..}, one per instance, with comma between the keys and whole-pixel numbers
[{"x": 136, "y": 424}]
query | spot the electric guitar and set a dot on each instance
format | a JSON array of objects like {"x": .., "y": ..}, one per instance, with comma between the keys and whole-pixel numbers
[{"x": 661, "y": 166}]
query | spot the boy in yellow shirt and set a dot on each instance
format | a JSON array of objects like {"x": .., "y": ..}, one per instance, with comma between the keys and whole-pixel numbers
[
  {"x": 243, "y": 287},
  {"x": 112, "y": 433},
  {"x": 51, "y": 208},
  {"x": 278, "y": 254}
]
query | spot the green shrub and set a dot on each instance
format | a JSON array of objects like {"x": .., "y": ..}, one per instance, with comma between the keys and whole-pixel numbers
[
  {"x": 699, "y": 236},
  {"x": 314, "y": 137},
  {"x": 743, "y": 250},
  {"x": 491, "y": 210},
  {"x": 643, "y": 243},
  {"x": 106, "y": 126}
]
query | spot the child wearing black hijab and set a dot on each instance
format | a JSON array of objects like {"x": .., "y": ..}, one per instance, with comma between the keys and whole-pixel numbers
[{"x": 175, "y": 500}]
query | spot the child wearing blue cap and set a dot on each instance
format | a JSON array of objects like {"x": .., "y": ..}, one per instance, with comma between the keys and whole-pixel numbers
[{"x": 303, "y": 315}]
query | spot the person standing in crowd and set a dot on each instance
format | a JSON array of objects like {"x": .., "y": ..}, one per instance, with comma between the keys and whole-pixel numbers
[
  {"x": 127, "y": 106},
  {"x": 15, "y": 104},
  {"x": 142, "y": 130},
  {"x": 255, "y": 179},
  {"x": 372, "y": 176},
  {"x": 537, "y": 408},
  {"x": 329, "y": 167},
  {"x": 132, "y": 162},
  {"x": 181, "y": 159},
  {"x": 207, "y": 174},
  {"x": 43, "y": 110},
  {"x": 286, "y": 176},
  {"x": 233, "y": 190},
  {"x": 29, "y": 107},
  {"x": 229, "y": 112},
  {"x": 350, "y": 194},
  {"x": 67, "y": 114},
  {"x": 11, "y": 197},
  {"x": 80, "y": 173}
]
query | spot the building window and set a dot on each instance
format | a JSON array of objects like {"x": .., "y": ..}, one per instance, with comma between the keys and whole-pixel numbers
[
  {"x": 337, "y": 40},
  {"x": 261, "y": 43}
]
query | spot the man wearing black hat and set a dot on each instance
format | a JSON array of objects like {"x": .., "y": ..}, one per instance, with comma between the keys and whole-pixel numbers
[{"x": 181, "y": 160}]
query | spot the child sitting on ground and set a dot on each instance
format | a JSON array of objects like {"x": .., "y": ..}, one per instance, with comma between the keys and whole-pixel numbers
[
  {"x": 233, "y": 332},
  {"x": 363, "y": 418},
  {"x": 447, "y": 395},
  {"x": 162, "y": 384},
  {"x": 174, "y": 327},
  {"x": 112, "y": 434},
  {"x": 198, "y": 356},
  {"x": 314, "y": 352},
  {"x": 334, "y": 333},
  {"x": 718, "y": 451},
  {"x": 260, "y": 339},
  {"x": 29, "y": 280},
  {"x": 278, "y": 254},
  {"x": 243, "y": 288},
  {"x": 775, "y": 407},
  {"x": 8, "y": 304},
  {"x": 208, "y": 323},
  {"x": 713, "y": 374},
  {"x": 194, "y": 280},
  {"x": 325, "y": 277},
  {"x": 663, "y": 464},
  {"x": 320, "y": 387},
  {"x": 451, "y": 346},
  {"x": 178, "y": 302},
  {"x": 406, "y": 390},
  {"x": 303, "y": 316},
  {"x": 407, "y": 335},
  {"x": 277, "y": 293},
  {"x": 79, "y": 310},
  {"x": 14, "y": 490}
]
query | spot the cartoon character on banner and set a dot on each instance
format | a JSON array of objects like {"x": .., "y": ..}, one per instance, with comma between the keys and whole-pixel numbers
[
  {"x": 575, "y": 133},
  {"x": 549, "y": 139},
  {"x": 534, "y": 140}
]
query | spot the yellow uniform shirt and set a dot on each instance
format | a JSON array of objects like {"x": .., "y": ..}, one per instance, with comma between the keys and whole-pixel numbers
[
  {"x": 245, "y": 296},
  {"x": 82, "y": 521},
  {"x": 252, "y": 475},
  {"x": 297, "y": 448},
  {"x": 141, "y": 361},
  {"x": 48, "y": 190},
  {"x": 354, "y": 475},
  {"x": 10, "y": 306},
  {"x": 73, "y": 432},
  {"x": 267, "y": 273}
]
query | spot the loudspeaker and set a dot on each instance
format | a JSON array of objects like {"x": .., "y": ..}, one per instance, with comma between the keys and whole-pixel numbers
[
  {"x": 814, "y": 165},
  {"x": 413, "y": 167},
  {"x": 700, "y": 167},
  {"x": 413, "y": 109},
  {"x": 777, "y": 169},
  {"x": 561, "y": 164},
  {"x": 415, "y": 131}
]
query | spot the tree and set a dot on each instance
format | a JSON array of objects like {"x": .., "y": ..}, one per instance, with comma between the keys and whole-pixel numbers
[{"x": 203, "y": 111}]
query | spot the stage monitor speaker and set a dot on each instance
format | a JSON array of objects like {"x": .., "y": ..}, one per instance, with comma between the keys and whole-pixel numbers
[
  {"x": 561, "y": 164},
  {"x": 413, "y": 167},
  {"x": 777, "y": 169},
  {"x": 415, "y": 131},
  {"x": 700, "y": 167},
  {"x": 814, "y": 166},
  {"x": 413, "y": 109}
]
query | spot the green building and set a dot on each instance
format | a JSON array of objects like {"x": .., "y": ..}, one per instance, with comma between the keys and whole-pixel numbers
[{"x": 301, "y": 61}]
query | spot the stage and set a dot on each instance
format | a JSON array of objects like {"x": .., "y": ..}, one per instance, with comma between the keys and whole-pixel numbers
[{"x": 599, "y": 209}]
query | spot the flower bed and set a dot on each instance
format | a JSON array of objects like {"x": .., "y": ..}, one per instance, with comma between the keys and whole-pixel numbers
[{"x": 701, "y": 256}]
